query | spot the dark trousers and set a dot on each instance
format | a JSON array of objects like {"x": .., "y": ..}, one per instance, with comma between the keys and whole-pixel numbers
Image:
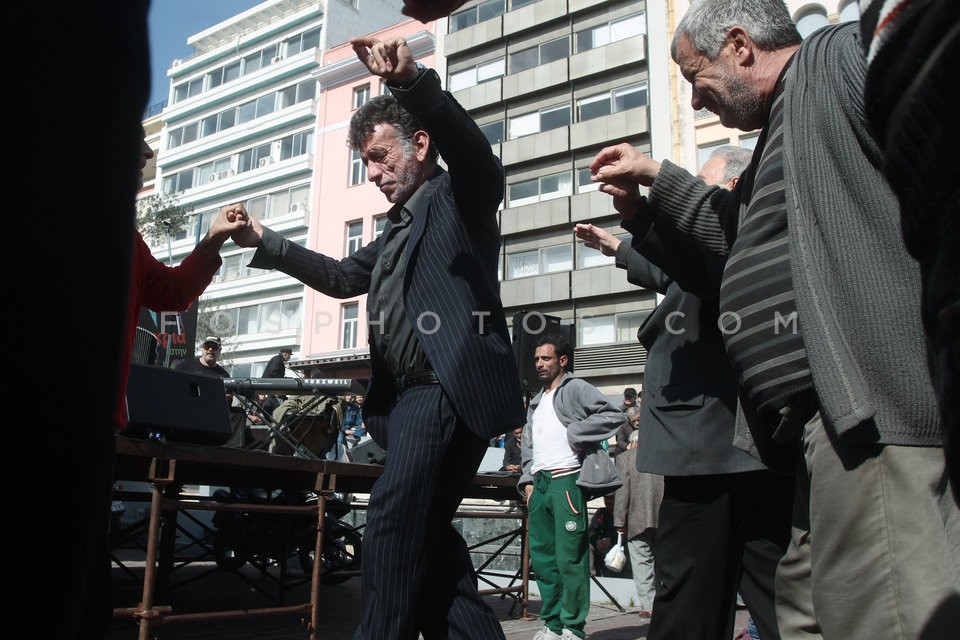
[
  {"x": 416, "y": 573},
  {"x": 718, "y": 535}
]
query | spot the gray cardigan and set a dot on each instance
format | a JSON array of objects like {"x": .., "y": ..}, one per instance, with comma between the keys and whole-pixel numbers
[
  {"x": 857, "y": 288},
  {"x": 589, "y": 417}
]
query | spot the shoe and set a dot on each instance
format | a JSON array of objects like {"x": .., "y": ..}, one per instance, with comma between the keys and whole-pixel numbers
[
  {"x": 644, "y": 613},
  {"x": 569, "y": 635},
  {"x": 546, "y": 634}
]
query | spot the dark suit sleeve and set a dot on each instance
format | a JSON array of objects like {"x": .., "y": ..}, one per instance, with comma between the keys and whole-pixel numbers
[
  {"x": 661, "y": 255},
  {"x": 641, "y": 271},
  {"x": 336, "y": 278},
  {"x": 476, "y": 173}
]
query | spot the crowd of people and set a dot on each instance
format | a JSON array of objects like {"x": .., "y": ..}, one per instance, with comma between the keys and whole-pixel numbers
[{"x": 772, "y": 455}]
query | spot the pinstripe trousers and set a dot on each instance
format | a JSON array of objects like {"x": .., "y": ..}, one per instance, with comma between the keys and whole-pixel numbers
[{"x": 416, "y": 573}]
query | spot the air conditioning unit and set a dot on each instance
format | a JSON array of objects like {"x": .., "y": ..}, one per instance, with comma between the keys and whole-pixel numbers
[
  {"x": 276, "y": 59},
  {"x": 265, "y": 161},
  {"x": 223, "y": 174},
  {"x": 213, "y": 177},
  {"x": 295, "y": 207}
]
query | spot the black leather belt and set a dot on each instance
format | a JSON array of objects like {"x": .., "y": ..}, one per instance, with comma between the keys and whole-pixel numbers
[{"x": 416, "y": 379}]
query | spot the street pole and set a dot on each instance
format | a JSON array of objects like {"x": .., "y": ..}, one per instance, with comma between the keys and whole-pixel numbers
[{"x": 166, "y": 354}]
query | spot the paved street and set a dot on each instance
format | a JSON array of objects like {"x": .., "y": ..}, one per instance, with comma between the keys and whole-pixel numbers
[{"x": 221, "y": 590}]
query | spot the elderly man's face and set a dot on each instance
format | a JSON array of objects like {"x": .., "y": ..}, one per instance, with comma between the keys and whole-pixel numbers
[
  {"x": 396, "y": 172},
  {"x": 722, "y": 86}
]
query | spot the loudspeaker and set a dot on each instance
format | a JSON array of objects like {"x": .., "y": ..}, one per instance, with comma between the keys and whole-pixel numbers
[
  {"x": 368, "y": 452},
  {"x": 528, "y": 327}
]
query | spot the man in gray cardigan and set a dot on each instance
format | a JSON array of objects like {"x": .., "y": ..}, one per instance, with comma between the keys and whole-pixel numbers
[{"x": 814, "y": 285}]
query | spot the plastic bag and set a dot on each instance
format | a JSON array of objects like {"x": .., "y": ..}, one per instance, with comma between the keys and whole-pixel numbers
[{"x": 615, "y": 558}]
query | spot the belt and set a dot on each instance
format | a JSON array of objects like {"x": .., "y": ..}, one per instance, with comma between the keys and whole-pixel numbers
[{"x": 415, "y": 379}]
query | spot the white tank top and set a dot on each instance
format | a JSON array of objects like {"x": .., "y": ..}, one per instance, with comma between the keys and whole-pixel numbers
[{"x": 551, "y": 450}]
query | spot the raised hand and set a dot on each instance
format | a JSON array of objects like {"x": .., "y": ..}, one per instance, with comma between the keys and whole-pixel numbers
[
  {"x": 622, "y": 165},
  {"x": 390, "y": 59},
  {"x": 597, "y": 238}
]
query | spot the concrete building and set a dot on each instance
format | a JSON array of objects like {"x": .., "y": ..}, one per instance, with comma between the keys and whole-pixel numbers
[{"x": 241, "y": 125}]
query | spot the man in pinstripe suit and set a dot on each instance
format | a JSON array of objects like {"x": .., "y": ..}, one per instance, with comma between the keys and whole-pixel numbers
[{"x": 444, "y": 378}]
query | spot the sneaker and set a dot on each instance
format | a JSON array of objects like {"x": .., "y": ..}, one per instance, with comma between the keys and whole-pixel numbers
[
  {"x": 569, "y": 635},
  {"x": 546, "y": 634}
]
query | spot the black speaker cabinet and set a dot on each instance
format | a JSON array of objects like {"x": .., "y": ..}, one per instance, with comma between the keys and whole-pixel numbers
[
  {"x": 367, "y": 452},
  {"x": 528, "y": 327}
]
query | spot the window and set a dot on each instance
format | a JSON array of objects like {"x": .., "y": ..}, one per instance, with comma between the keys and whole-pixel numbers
[
  {"x": 611, "y": 32},
  {"x": 358, "y": 170},
  {"x": 302, "y": 42},
  {"x": 258, "y": 108},
  {"x": 298, "y": 144},
  {"x": 587, "y": 257},
  {"x": 379, "y": 225},
  {"x": 493, "y": 132},
  {"x": 614, "y": 101},
  {"x": 349, "y": 325},
  {"x": 267, "y": 317},
  {"x": 609, "y": 329},
  {"x": 811, "y": 20},
  {"x": 704, "y": 151},
  {"x": 475, "y": 75},
  {"x": 480, "y": 13},
  {"x": 850, "y": 12},
  {"x": 290, "y": 314},
  {"x": 361, "y": 95},
  {"x": 354, "y": 237},
  {"x": 538, "y": 189},
  {"x": 542, "y": 120},
  {"x": 246, "y": 160},
  {"x": 749, "y": 141},
  {"x": 539, "y": 261},
  {"x": 584, "y": 181},
  {"x": 250, "y": 63},
  {"x": 540, "y": 54}
]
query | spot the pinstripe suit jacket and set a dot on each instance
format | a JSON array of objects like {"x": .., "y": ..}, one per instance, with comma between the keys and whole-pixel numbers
[{"x": 451, "y": 274}]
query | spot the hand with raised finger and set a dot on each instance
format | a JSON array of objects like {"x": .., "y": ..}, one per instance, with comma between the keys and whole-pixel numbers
[{"x": 390, "y": 59}]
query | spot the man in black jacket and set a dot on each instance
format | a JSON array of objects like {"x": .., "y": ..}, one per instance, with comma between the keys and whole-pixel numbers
[
  {"x": 722, "y": 511},
  {"x": 433, "y": 304},
  {"x": 277, "y": 365}
]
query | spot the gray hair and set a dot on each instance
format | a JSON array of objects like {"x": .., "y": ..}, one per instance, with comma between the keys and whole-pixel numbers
[
  {"x": 385, "y": 110},
  {"x": 707, "y": 23},
  {"x": 736, "y": 159},
  {"x": 633, "y": 412}
]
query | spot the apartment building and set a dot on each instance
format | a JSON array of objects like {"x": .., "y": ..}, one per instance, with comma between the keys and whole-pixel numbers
[{"x": 241, "y": 125}]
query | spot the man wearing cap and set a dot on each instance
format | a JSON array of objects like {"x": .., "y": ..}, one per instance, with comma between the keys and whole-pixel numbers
[
  {"x": 207, "y": 365},
  {"x": 277, "y": 365},
  {"x": 629, "y": 399},
  {"x": 207, "y": 362}
]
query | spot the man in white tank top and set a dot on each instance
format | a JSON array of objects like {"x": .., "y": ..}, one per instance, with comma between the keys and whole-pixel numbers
[{"x": 566, "y": 420}]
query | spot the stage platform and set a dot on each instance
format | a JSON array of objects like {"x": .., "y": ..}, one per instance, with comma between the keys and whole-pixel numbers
[{"x": 167, "y": 467}]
